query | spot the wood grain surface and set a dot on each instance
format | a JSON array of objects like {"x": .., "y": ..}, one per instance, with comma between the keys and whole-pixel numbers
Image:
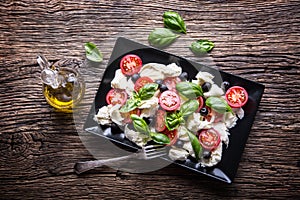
[{"x": 257, "y": 40}]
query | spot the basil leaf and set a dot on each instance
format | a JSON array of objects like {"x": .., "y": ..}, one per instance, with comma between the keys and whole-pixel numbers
[
  {"x": 160, "y": 138},
  {"x": 189, "y": 107},
  {"x": 189, "y": 89},
  {"x": 130, "y": 105},
  {"x": 173, "y": 120},
  {"x": 147, "y": 91},
  {"x": 174, "y": 21},
  {"x": 139, "y": 124},
  {"x": 92, "y": 52},
  {"x": 201, "y": 46},
  {"x": 161, "y": 37},
  {"x": 195, "y": 144},
  {"x": 218, "y": 104}
]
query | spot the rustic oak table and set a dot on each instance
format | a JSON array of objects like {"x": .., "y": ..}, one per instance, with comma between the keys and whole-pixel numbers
[{"x": 257, "y": 40}]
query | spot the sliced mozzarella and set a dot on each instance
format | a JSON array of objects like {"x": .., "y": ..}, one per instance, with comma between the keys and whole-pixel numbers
[
  {"x": 103, "y": 117},
  {"x": 176, "y": 153},
  {"x": 215, "y": 91},
  {"x": 203, "y": 77},
  {"x": 215, "y": 157}
]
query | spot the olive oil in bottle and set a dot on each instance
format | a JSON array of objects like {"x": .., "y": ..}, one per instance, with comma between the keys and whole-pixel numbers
[{"x": 69, "y": 92}]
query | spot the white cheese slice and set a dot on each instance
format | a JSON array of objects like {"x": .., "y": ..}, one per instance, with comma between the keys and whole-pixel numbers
[
  {"x": 103, "y": 117},
  {"x": 216, "y": 156},
  {"x": 176, "y": 153},
  {"x": 215, "y": 91},
  {"x": 203, "y": 77}
]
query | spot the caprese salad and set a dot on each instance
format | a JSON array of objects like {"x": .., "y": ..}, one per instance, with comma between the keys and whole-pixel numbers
[{"x": 161, "y": 104}]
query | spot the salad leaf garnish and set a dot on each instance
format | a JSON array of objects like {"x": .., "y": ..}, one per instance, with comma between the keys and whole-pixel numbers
[
  {"x": 218, "y": 104},
  {"x": 130, "y": 105},
  {"x": 174, "y": 21},
  {"x": 160, "y": 138},
  {"x": 195, "y": 143},
  {"x": 189, "y": 90},
  {"x": 141, "y": 126},
  {"x": 173, "y": 120},
  {"x": 147, "y": 91},
  {"x": 189, "y": 107},
  {"x": 92, "y": 52},
  {"x": 201, "y": 46},
  {"x": 162, "y": 37}
]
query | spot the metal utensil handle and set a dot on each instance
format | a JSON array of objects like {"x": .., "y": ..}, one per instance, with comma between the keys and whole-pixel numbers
[{"x": 81, "y": 167}]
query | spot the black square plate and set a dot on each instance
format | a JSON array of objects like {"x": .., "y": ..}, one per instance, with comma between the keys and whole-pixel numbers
[{"x": 226, "y": 169}]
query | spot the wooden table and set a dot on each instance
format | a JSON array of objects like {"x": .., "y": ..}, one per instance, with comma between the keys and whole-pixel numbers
[{"x": 38, "y": 146}]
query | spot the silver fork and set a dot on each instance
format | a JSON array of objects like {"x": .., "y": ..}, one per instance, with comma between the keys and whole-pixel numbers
[{"x": 146, "y": 153}]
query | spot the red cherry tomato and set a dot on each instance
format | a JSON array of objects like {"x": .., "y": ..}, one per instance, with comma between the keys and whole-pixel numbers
[
  {"x": 116, "y": 96},
  {"x": 236, "y": 96},
  {"x": 141, "y": 82},
  {"x": 126, "y": 116},
  {"x": 169, "y": 100},
  {"x": 160, "y": 124},
  {"x": 209, "y": 139},
  {"x": 171, "y": 82},
  {"x": 131, "y": 64},
  {"x": 173, "y": 135},
  {"x": 201, "y": 103}
]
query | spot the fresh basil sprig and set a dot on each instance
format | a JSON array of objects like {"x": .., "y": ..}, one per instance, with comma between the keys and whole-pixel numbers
[
  {"x": 160, "y": 138},
  {"x": 92, "y": 52},
  {"x": 195, "y": 143},
  {"x": 201, "y": 46},
  {"x": 189, "y": 107},
  {"x": 130, "y": 105},
  {"x": 174, "y": 119},
  {"x": 174, "y": 21},
  {"x": 141, "y": 126},
  {"x": 146, "y": 92},
  {"x": 218, "y": 104},
  {"x": 162, "y": 37},
  {"x": 189, "y": 90}
]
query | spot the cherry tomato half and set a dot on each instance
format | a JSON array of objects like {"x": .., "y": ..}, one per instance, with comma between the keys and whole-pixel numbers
[
  {"x": 131, "y": 64},
  {"x": 236, "y": 96},
  {"x": 171, "y": 82},
  {"x": 116, "y": 96},
  {"x": 126, "y": 116},
  {"x": 169, "y": 100},
  {"x": 209, "y": 139},
  {"x": 201, "y": 103},
  {"x": 173, "y": 135},
  {"x": 141, "y": 82},
  {"x": 160, "y": 124}
]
